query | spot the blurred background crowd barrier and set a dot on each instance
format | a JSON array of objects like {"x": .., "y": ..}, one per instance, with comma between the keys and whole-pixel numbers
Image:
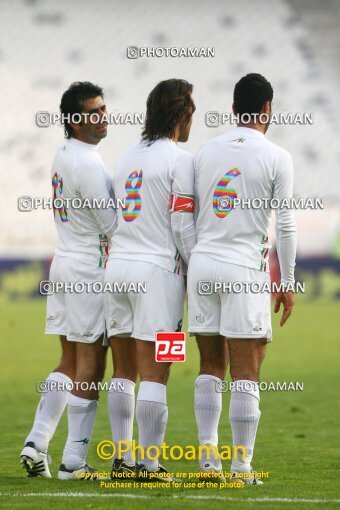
[{"x": 46, "y": 45}]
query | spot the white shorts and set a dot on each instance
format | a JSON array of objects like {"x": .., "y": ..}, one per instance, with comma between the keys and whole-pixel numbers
[
  {"x": 231, "y": 314},
  {"x": 78, "y": 316},
  {"x": 142, "y": 314}
]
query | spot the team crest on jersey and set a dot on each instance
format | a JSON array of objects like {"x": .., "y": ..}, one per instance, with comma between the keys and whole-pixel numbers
[
  {"x": 113, "y": 323},
  {"x": 238, "y": 140},
  {"x": 50, "y": 320},
  {"x": 200, "y": 319}
]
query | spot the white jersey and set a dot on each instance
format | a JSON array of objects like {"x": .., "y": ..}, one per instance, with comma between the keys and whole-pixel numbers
[
  {"x": 146, "y": 176},
  {"x": 243, "y": 164},
  {"x": 84, "y": 233}
]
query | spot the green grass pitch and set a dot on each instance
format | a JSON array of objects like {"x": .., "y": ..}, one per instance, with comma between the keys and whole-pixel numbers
[{"x": 298, "y": 440}]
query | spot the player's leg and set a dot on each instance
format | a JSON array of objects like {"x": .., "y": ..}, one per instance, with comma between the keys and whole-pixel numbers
[
  {"x": 204, "y": 320},
  {"x": 54, "y": 398},
  {"x": 53, "y": 401},
  {"x": 159, "y": 309},
  {"x": 121, "y": 395},
  {"x": 208, "y": 397},
  {"x": 246, "y": 323},
  {"x": 151, "y": 408},
  {"x": 49, "y": 411},
  {"x": 246, "y": 356},
  {"x": 82, "y": 406},
  {"x": 85, "y": 328},
  {"x": 121, "y": 401}
]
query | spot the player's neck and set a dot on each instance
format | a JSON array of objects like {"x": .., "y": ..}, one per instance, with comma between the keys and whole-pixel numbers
[
  {"x": 252, "y": 125},
  {"x": 86, "y": 139},
  {"x": 174, "y": 138}
]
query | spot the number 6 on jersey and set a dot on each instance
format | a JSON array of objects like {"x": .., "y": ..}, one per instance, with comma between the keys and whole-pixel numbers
[{"x": 223, "y": 199}]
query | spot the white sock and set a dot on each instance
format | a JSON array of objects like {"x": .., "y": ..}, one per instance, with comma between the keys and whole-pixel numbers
[
  {"x": 152, "y": 417},
  {"x": 244, "y": 415},
  {"x": 121, "y": 404},
  {"x": 81, "y": 415},
  {"x": 50, "y": 410},
  {"x": 208, "y": 407}
]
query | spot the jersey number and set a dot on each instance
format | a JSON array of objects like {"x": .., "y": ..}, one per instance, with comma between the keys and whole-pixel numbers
[
  {"x": 223, "y": 199},
  {"x": 133, "y": 202},
  {"x": 58, "y": 205}
]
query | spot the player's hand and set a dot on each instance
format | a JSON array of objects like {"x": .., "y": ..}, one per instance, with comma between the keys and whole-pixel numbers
[{"x": 287, "y": 300}]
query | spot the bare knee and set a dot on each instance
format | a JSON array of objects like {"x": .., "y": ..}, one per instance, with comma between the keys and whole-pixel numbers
[
  {"x": 124, "y": 358},
  {"x": 216, "y": 366},
  {"x": 160, "y": 375},
  {"x": 216, "y": 369},
  {"x": 213, "y": 355},
  {"x": 246, "y": 371},
  {"x": 125, "y": 372},
  {"x": 67, "y": 368},
  {"x": 68, "y": 359},
  {"x": 246, "y": 356}
]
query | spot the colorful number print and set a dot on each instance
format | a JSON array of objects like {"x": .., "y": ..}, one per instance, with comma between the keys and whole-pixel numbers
[
  {"x": 133, "y": 197},
  {"x": 223, "y": 199},
  {"x": 58, "y": 205}
]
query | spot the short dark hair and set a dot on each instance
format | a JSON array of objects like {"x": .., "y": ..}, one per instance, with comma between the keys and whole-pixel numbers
[
  {"x": 73, "y": 98},
  {"x": 250, "y": 94},
  {"x": 169, "y": 103}
]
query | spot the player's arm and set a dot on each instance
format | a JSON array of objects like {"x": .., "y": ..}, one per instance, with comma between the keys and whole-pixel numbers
[
  {"x": 196, "y": 174},
  {"x": 285, "y": 234},
  {"x": 92, "y": 185},
  {"x": 182, "y": 205}
]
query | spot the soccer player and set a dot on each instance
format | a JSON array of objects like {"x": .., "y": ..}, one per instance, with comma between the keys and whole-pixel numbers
[
  {"x": 155, "y": 233},
  {"x": 232, "y": 246},
  {"x": 83, "y": 239}
]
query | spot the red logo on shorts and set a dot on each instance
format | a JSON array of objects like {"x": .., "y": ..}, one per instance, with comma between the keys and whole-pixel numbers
[{"x": 170, "y": 346}]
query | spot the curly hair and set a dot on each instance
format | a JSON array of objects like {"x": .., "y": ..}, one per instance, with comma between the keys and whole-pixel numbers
[
  {"x": 168, "y": 104},
  {"x": 73, "y": 99}
]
